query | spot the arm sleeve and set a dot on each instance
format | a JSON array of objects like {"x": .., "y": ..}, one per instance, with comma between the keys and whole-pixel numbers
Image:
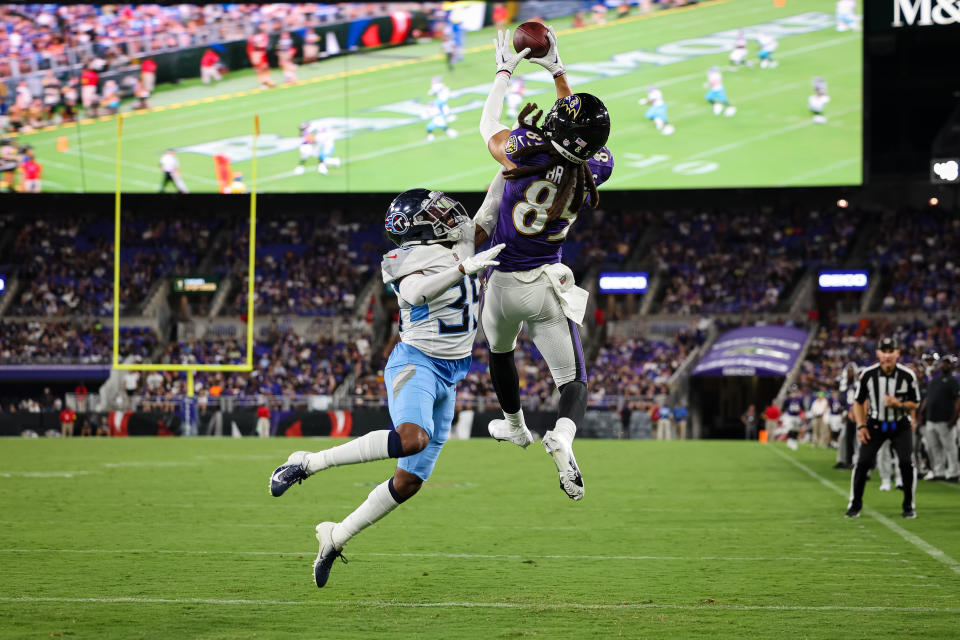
[
  {"x": 486, "y": 217},
  {"x": 417, "y": 288},
  {"x": 490, "y": 123},
  {"x": 861, "y": 390}
]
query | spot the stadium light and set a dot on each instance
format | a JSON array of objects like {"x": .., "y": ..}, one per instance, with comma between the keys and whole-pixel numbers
[
  {"x": 843, "y": 204},
  {"x": 945, "y": 170},
  {"x": 3, "y": 283},
  {"x": 934, "y": 201},
  {"x": 843, "y": 280},
  {"x": 623, "y": 282}
]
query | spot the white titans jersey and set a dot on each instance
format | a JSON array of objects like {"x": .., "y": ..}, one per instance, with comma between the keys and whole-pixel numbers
[{"x": 446, "y": 326}]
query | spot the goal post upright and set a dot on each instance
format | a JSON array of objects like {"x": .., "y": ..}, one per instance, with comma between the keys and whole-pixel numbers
[{"x": 251, "y": 262}]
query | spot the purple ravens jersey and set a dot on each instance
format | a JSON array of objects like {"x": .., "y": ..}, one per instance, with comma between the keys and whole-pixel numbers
[
  {"x": 531, "y": 240},
  {"x": 794, "y": 406}
]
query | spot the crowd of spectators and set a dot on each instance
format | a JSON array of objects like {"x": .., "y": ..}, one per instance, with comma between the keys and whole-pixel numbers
[
  {"x": 40, "y": 35},
  {"x": 744, "y": 261},
  {"x": 832, "y": 349},
  {"x": 304, "y": 266},
  {"x": 922, "y": 261},
  {"x": 37, "y": 342},
  {"x": 285, "y": 364},
  {"x": 639, "y": 369},
  {"x": 66, "y": 265}
]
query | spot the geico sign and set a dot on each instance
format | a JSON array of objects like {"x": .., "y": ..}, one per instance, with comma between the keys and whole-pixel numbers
[{"x": 925, "y": 12}]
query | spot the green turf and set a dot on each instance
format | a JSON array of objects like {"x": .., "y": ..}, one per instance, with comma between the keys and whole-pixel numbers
[
  {"x": 681, "y": 539},
  {"x": 770, "y": 141}
]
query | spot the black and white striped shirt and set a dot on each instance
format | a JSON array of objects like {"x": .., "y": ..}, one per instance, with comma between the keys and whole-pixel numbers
[{"x": 874, "y": 386}]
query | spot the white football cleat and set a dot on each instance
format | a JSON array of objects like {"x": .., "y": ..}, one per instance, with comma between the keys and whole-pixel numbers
[
  {"x": 298, "y": 171},
  {"x": 327, "y": 554},
  {"x": 502, "y": 431},
  {"x": 729, "y": 111},
  {"x": 792, "y": 444},
  {"x": 322, "y": 168},
  {"x": 570, "y": 479},
  {"x": 667, "y": 129},
  {"x": 451, "y": 133},
  {"x": 885, "y": 484}
]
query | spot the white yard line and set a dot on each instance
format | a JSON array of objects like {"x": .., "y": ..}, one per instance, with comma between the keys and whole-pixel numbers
[
  {"x": 912, "y": 538},
  {"x": 472, "y": 556},
  {"x": 538, "y": 606}
]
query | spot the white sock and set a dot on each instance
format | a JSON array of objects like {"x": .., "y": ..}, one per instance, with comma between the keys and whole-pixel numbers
[
  {"x": 515, "y": 420},
  {"x": 566, "y": 427},
  {"x": 379, "y": 503},
  {"x": 372, "y": 446}
]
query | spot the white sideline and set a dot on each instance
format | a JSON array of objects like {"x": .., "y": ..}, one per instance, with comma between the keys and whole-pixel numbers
[
  {"x": 488, "y": 605},
  {"x": 477, "y": 556},
  {"x": 913, "y": 539}
]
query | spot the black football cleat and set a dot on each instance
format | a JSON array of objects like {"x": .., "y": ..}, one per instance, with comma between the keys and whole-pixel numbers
[
  {"x": 852, "y": 513},
  {"x": 294, "y": 470},
  {"x": 909, "y": 513}
]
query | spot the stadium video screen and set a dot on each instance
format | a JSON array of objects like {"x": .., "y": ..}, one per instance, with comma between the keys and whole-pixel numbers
[{"x": 383, "y": 97}]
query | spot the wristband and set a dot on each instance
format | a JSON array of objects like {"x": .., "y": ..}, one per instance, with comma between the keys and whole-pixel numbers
[
  {"x": 862, "y": 426},
  {"x": 559, "y": 73}
]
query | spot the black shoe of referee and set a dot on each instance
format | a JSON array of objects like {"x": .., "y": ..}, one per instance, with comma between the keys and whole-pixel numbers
[
  {"x": 853, "y": 513},
  {"x": 908, "y": 513}
]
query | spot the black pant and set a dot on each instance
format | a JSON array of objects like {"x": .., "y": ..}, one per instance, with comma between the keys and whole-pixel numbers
[
  {"x": 850, "y": 436},
  {"x": 901, "y": 437}
]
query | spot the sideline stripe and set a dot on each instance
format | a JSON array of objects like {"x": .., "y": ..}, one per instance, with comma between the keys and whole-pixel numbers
[
  {"x": 913, "y": 539},
  {"x": 473, "y": 556},
  {"x": 489, "y": 605}
]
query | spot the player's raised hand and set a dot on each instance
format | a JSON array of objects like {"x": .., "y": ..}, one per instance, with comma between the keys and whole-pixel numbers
[
  {"x": 551, "y": 62},
  {"x": 507, "y": 60},
  {"x": 484, "y": 259}
]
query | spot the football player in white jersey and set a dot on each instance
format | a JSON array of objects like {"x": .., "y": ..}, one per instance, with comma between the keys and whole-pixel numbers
[
  {"x": 515, "y": 97},
  {"x": 717, "y": 94},
  {"x": 316, "y": 141},
  {"x": 818, "y": 100},
  {"x": 768, "y": 44},
  {"x": 439, "y": 299},
  {"x": 441, "y": 97},
  {"x": 739, "y": 54},
  {"x": 847, "y": 15},
  {"x": 657, "y": 111}
]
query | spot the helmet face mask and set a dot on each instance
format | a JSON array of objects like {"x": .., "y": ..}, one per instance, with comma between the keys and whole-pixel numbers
[
  {"x": 419, "y": 216},
  {"x": 578, "y": 126}
]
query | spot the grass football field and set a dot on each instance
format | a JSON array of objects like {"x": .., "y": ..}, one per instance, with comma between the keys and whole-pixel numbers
[
  {"x": 177, "y": 538},
  {"x": 374, "y": 100}
]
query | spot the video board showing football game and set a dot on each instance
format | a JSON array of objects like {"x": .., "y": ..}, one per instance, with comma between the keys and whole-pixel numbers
[{"x": 375, "y": 97}]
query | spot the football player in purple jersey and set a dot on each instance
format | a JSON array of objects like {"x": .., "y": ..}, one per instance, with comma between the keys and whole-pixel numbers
[{"x": 550, "y": 174}]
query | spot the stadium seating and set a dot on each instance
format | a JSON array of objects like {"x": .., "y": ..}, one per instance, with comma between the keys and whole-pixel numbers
[{"x": 723, "y": 261}]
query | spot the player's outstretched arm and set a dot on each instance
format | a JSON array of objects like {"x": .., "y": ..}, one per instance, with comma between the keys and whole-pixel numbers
[
  {"x": 552, "y": 63},
  {"x": 494, "y": 133},
  {"x": 417, "y": 288},
  {"x": 487, "y": 214}
]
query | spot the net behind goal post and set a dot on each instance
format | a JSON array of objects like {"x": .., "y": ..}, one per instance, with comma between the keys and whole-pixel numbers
[{"x": 190, "y": 369}]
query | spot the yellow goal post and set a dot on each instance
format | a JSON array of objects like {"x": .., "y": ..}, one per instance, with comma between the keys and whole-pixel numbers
[{"x": 189, "y": 368}]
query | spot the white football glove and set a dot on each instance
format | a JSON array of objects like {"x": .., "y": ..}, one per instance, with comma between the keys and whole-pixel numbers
[
  {"x": 507, "y": 60},
  {"x": 484, "y": 259},
  {"x": 551, "y": 62}
]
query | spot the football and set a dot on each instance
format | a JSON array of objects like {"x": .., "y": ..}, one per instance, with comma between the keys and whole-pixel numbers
[{"x": 534, "y": 36}]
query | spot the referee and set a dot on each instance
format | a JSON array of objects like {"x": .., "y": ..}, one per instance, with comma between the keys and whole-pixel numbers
[{"x": 886, "y": 394}]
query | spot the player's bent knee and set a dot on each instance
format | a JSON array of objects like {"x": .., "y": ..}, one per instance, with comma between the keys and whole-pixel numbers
[
  {"x": 404, "y": 485},
  {"x": 413, "y": 438}
]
